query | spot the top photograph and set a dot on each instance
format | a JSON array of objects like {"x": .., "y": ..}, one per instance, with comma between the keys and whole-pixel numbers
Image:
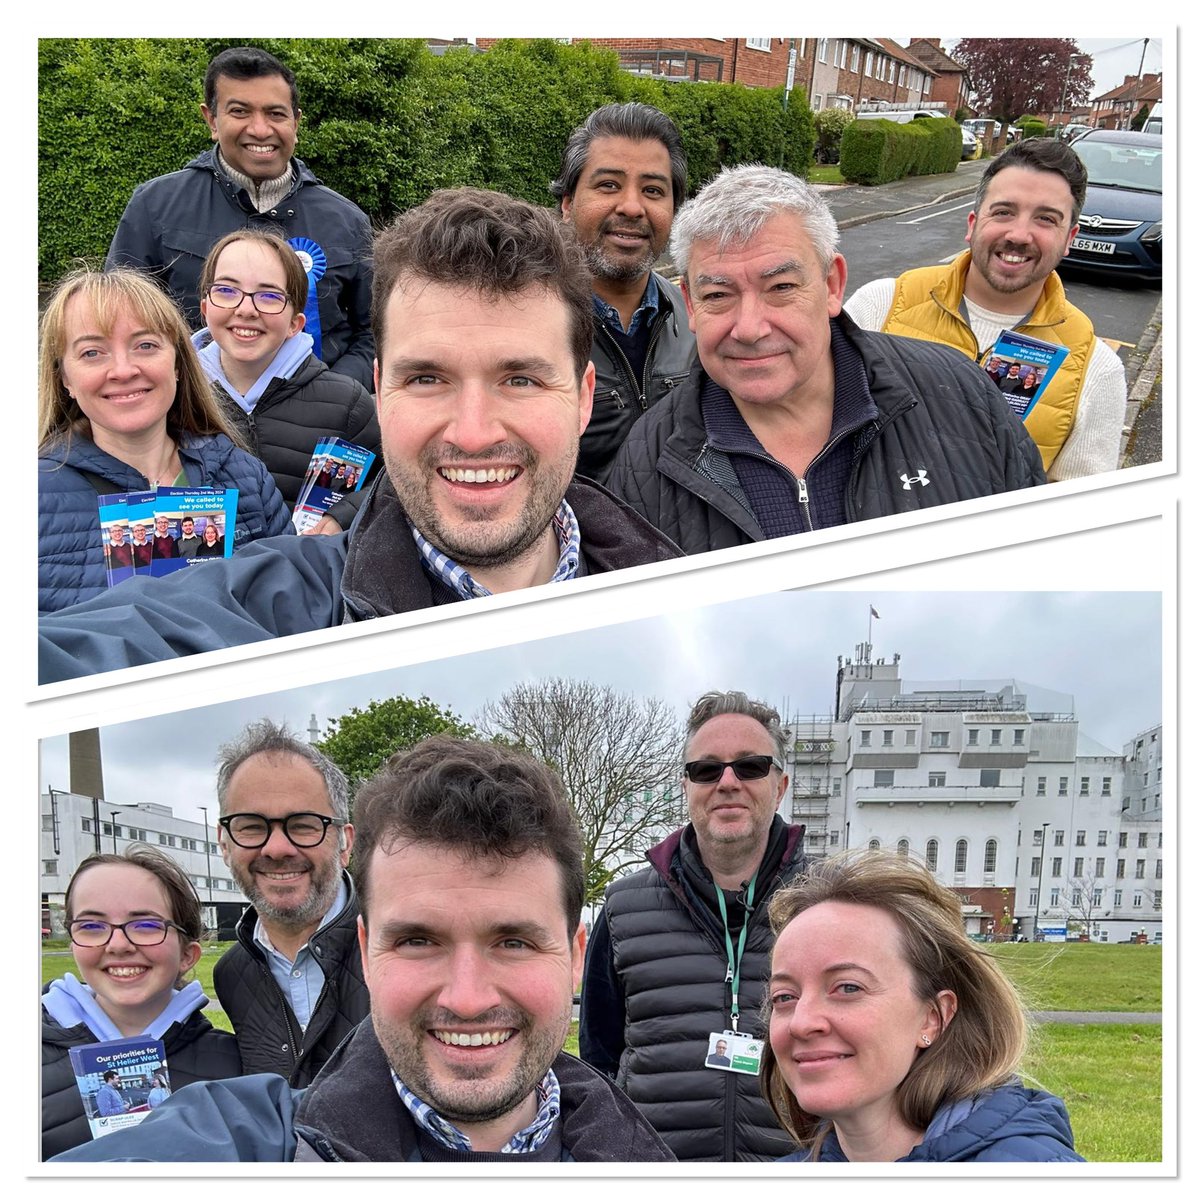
[{"x": 359, "y": 327}]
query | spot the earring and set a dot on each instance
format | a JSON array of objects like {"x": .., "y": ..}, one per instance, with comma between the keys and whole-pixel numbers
[{"x": 925, "y": 1039}]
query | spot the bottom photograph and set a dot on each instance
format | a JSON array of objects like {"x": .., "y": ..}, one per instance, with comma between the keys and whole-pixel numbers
[{"x": 817, "y": 877}]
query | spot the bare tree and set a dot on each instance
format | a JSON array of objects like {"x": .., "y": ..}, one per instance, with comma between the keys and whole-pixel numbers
[
  {"x": 619, "y": 758},
  {"x": 1082, "y": 899}
]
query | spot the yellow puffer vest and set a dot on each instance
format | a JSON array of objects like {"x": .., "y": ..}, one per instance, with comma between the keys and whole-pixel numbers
[{"x": 926, "y": 306}]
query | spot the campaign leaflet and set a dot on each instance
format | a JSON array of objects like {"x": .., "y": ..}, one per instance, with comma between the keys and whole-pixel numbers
[
  {"x": 1021, "y": 367},
  {"x": 183, "y": 515},
  {"x": 337, "y": 468},
  {"x": 120, "y": 1082},
  {"x": 114, "y": 537}
]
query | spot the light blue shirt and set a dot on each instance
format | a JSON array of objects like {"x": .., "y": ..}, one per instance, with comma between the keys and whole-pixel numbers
[{"x": 301, "y": 979}]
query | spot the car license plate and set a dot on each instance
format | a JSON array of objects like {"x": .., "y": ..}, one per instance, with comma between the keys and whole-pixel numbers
[{"x": 1093, "y": 246}]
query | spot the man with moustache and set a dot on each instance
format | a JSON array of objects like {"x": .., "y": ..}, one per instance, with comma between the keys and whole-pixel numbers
[
  {"x": 1025, "y": 214},
  {"x": 623, "y": 175},
  {"x": 292, "y": 986},
  {"x": 469, "y": 868},
  {"x": 483, "y": 319},
  {"x": 680, "y": 951}
]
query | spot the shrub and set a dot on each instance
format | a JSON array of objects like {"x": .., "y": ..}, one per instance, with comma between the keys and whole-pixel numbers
[
  {"x": 830, "y": 124},
  {"x": 880, "y": 151}
]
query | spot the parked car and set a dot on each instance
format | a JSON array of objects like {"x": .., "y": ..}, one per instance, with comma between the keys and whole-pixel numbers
[
  {"x": 971, "y": 147},
  {"x": 1120, "y": 227},
  {"x": 1069, "y": 133}
]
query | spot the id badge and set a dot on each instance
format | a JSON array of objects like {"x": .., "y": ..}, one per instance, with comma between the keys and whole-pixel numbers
[{"x": 729, "y": 1051}]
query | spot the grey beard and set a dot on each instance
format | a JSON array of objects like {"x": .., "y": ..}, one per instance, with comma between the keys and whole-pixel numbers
[{"x": 603, "y": 267}]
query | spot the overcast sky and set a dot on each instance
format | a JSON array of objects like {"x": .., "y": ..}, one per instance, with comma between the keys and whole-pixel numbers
[{"x": 1095, "y": 653}]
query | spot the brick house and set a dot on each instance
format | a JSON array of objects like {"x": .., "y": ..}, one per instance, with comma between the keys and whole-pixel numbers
[
  {"x": 949, "y": 78},
  {"x": 1117, "y": 107}
]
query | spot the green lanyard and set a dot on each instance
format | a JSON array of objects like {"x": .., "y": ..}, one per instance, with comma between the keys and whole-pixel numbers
[{"x": 734, "y": 974}]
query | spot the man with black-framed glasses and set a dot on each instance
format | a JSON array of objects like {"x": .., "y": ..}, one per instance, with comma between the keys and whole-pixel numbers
[
  {"x": 292, "y": 985},
  {"x": 677, "y": 962}
]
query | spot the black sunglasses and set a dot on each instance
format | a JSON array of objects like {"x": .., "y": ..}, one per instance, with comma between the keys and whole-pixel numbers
[{"x": 709, "y": 770}]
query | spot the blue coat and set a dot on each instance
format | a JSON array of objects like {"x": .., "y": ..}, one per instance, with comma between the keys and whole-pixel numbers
[
  {"x": 70, "y": 550},
  {"x": 1009, "y": 1124}
]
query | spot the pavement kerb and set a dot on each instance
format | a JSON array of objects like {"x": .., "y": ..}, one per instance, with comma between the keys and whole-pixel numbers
[
  {"x": 851, "y": 222},
  {"x": 1149, "y": 353}
]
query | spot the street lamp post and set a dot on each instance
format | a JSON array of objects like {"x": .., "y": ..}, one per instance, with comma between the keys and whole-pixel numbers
[
  {"x": 207, "y": 856},
  {"x": 1041, "y": 868},
  {"x": 1066, "y": 82}
]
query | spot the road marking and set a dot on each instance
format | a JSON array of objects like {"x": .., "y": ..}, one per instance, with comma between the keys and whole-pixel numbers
[{"x": 940, "y": 213}]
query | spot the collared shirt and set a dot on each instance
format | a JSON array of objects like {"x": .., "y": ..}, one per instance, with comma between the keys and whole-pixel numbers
[
  {"x": 645, "y": 313},
  {"x": 527, "y": 1140},
  {"x": 443, "y": 568},
  {"x": 301, "y": 979}
]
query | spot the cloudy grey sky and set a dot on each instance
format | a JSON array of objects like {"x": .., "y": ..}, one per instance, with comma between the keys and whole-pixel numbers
[{"x": 1098, "y": 653}]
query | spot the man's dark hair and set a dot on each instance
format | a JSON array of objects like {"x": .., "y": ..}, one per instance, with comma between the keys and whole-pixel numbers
[
  {"x": 110, "y": 1075},
  {"x": 246, "y": 62},
  {"x": 489, "y": 243},
  {"x": 1041, "y": 154},
  {"x": 639, "y": 123},
  {"x": 476, "y": 798}
]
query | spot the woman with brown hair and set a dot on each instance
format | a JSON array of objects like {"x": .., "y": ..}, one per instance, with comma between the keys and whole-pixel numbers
[
  {"x": 894, "y": 1037},
  {"x": 123, "y": 406}
]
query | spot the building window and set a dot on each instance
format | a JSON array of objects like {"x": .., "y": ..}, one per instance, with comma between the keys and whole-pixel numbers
[
  {"x": 1106, "y": 786},
  {"x": 910, "y": 737},
  {"x": 1158, "y": 868},
  {"x": 822, "y": 49},
  {"x": 996, "y": 736},
  {"x": 1018, "y": 737},
  {"x": 903, "y": 72},
  {"x": 1037, "y": 836},
  {"x": 1102, "y": 837},
  {"x": 837, "y": 787},
  {"x": 1143, "y": 840},
  {"x": 864, "y": 737},
  {"x": 1078, "y": 867},
  {"x": 972, "y": 737},
  {"x": 885, "y": 778},
  {"x": 902, "y": 847},
  {"x": 1081, "y": 837},
  {"x": 1033, "y": 898},
  {"x": 891, "y": 70},
  {"x": 1158, "y": 900},
  {"x": 887, "y": 736},
  {"x": 162, "y": 839},
  {"x": 1137, "y": 899},
  {"x": 854, "y": 58},
  {"x": 937, "y": 778},
  {"x": 1056, "y": 868},
  {"x": 960, "y": 855},
  {"x": 1160, "y": 841},
  {"x": 1076, "y": 897},
  {"x": 86, "y": 824},
  {"x": 1118, "y": 898},
  {"x": 1120, "y": 868},
  {"x": 939, "y": 739},
  {"x": 1099, "y": 868},
  {"x": 989, "y": 856},
  {"x": 989, "y": 777},
  {"x": 1122, "y": 840},
  {"x": 931, "y": 854},
  {"x": 1085, "y": 785},
  {"x": 1054, "y": 895},
  {"x": 50, "y": 866},
  {"x": 1041, "y": 785},
  {"x": 1139, "y": 869},
  {"x": 816, "y": 104},
  {"x": 1062, "y": 785},
  {"x": 758, "y": 43},
  {"x": 833, "y": 837},
  {"x": 873, "y": 844},
  {"x": 1098, "y": 895},
  {"x": 1035, "y": 865},
  {"x": 869, "y": 69},
  {"x": 47, "y": 822},
  {"x": 1059, "y": 834}
]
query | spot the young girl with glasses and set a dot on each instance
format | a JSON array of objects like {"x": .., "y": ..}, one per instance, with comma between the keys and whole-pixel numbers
[
  {"x": 266, "y": 366},
  {"x": 135, "y": 927}
]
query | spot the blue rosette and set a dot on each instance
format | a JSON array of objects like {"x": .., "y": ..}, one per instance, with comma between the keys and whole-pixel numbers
[{"x": 312, "y": 259}]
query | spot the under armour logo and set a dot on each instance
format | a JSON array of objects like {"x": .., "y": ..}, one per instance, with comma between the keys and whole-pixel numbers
[{"x": 919, "y": 477}]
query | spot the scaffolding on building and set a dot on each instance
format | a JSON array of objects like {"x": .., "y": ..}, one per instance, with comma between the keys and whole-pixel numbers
[{"x": 811, "y": 746}]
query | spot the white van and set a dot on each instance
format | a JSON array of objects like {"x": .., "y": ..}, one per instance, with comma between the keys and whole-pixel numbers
[{"x": 1154, "y": 120}]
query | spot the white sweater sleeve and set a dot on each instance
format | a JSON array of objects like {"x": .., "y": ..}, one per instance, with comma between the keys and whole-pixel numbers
[
  {"x": 869, "y": 306},
  {"x": 1095, "y": 439}
]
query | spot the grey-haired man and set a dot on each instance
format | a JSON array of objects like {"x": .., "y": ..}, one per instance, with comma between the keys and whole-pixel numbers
[{"x": 793, "y": 418}]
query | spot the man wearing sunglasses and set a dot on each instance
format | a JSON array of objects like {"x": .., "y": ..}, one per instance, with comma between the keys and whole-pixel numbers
[
  {"x": 292, "y": 985},
  {"x": 680, "y": 951}
]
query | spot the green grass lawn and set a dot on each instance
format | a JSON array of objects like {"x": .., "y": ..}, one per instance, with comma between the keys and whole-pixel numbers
[
  {"x": 1110, "y": 1076},
  {"x": 820, "y": 173}
]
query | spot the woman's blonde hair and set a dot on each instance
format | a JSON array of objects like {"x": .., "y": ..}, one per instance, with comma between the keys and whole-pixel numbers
[
  {"x": 979, "y": 1048},
  {"x": 195, "y": 410}
]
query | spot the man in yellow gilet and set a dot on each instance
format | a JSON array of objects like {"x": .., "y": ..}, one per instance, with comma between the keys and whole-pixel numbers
[{"x": 1026, "y": 213}]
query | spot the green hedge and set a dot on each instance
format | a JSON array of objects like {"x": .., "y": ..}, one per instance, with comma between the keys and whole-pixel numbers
[
  {"x": 385, "y": 122},
  {"x": 879, "y": 151}
]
